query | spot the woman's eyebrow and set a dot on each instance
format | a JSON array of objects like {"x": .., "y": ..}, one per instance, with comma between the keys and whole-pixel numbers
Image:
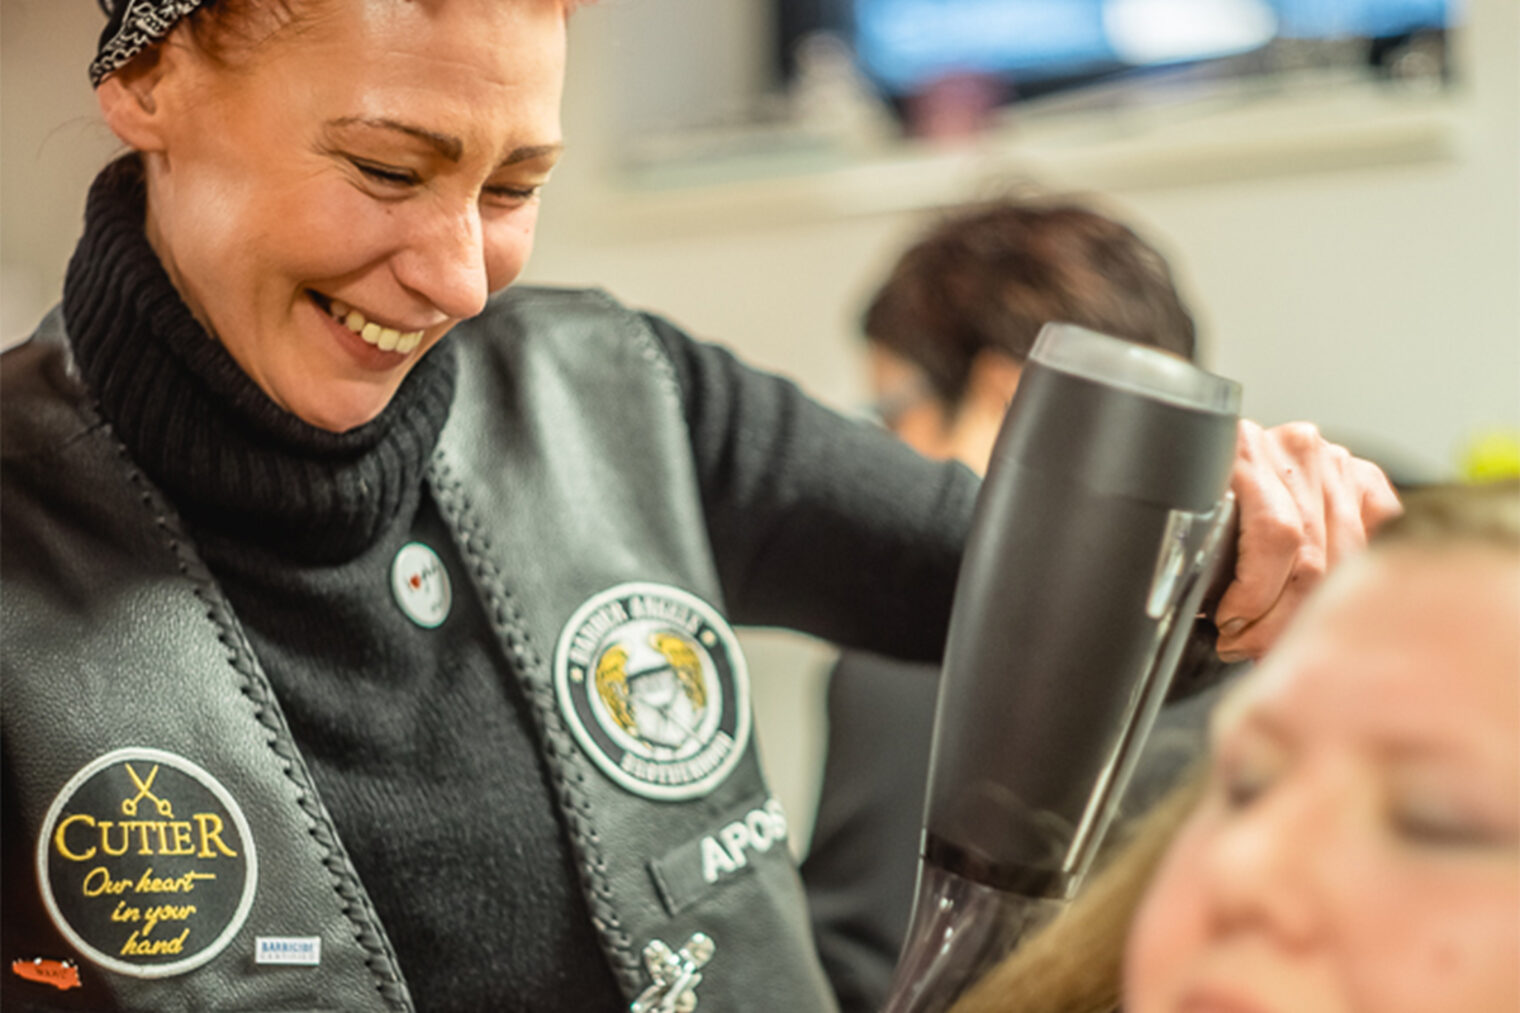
[
  {"x": 528, "y": 152},
  {"x": 1256, "y": 716},
  {"x": 448, "y": 146}
]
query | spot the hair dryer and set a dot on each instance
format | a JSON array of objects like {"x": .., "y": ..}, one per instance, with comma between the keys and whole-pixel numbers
[{"x": 1103, "y": 511}]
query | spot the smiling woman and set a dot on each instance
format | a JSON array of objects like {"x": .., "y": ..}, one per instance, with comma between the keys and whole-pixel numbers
[
  {"x": 304, "y": 513},
  {"x": 399, "y": 183}
]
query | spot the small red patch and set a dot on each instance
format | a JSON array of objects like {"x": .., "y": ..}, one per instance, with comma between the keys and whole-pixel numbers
[
  {"x": 415, "y": 581},
  {"x": 61, "y": 974}
]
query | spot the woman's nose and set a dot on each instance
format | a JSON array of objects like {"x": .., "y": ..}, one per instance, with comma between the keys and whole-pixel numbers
[
  {"x": 1264, "y": 865},
  {"x": 445, "y": 263}
]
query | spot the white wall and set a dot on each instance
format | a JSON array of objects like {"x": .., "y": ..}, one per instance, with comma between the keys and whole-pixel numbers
[
  {"x": 1381, "y": 300},
  {"x": 52, "y": 144}
]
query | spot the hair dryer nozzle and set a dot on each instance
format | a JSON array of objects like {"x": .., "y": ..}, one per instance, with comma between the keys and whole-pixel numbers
[{"x": 960, "y": 928}]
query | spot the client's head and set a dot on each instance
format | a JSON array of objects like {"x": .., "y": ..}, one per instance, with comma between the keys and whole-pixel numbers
[{"x": 1357, "y": 841}]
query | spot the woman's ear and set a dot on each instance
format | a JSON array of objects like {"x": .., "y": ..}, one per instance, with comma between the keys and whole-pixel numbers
[
  {"x": 993, "y": 378},
  {"x": 131, "y": 98}
]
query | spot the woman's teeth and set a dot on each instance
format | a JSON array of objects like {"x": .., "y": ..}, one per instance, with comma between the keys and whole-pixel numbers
[{"x": 387, "y": 339}]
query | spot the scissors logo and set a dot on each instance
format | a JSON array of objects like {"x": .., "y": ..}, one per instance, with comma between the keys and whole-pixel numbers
[
  {"x": 129, "y": 805},
  {"x": 129, "y": 832}
]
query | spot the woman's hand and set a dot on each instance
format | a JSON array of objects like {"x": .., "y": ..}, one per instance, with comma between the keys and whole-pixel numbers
[{"x": 1305, "y": 504}]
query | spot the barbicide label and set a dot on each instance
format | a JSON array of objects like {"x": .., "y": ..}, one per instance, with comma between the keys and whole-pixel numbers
[
  {"x": 146, "y": 863},
  {"x": 652, "y": 683},
  {"x": 296, "y": 951}
]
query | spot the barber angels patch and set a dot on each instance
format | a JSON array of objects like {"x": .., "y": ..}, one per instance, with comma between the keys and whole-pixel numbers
[
  {"x": 652, "y": 683},
  {"x": 146, "y": 863}
]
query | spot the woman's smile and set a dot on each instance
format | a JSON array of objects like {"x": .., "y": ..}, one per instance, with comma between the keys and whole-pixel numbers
[{"x": 368, "y": 327}]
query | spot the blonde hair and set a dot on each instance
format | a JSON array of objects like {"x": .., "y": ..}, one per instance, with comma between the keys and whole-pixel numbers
[{"x": 1440, "y": 516}]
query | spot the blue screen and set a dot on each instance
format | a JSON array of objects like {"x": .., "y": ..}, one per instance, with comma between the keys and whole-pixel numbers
[{"x": 902, "y": 44}]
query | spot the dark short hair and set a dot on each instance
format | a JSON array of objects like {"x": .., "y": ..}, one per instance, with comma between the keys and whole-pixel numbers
[{"x": 991, "y": 275}]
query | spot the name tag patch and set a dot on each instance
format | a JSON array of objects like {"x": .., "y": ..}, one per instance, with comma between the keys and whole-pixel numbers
[
  {"x": 652, "y": 683},
  {"x": 300, "y": 951},
  {"x": 146, "y": 863},
  {"x": 685, "y": 874}
]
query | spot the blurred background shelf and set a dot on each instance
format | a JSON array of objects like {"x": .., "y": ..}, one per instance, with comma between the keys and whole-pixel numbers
[{"x": 769, "y": 178}]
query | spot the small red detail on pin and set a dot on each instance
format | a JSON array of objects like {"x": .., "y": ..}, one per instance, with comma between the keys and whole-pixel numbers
[
  {"x": 416, "y": 582},
  {"x": 61, "y": 974}
]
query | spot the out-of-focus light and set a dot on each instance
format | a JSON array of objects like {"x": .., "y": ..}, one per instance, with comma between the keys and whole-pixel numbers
[
  {"x": 1492, "y": 456},
  {"x": 1171, "y": 31}
]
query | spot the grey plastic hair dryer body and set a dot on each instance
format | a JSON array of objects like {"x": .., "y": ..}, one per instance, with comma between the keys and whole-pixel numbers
[{"x": 1104, "y": 508}]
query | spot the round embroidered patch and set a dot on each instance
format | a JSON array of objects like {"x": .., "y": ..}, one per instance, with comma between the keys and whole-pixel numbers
[
  {"x": 421, "y": 585},
  {"x": 652, "y": 683},
  {"x": 146, "y": 863}
]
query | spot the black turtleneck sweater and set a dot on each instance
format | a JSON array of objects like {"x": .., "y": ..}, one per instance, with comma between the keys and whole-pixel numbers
[
  {"x": 419, "y": 740},
  {"x": 422, "y": 750}
]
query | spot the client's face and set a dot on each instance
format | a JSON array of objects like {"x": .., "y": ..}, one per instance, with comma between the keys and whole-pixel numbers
[
  {"x": 1358, "y": 847},
  {"x": 333, "y": 200}
]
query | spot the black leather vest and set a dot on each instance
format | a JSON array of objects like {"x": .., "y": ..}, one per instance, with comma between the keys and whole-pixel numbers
[{"x": 164, "y": 845}]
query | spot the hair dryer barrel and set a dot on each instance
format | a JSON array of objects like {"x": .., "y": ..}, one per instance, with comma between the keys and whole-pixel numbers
[{"x": 1103, "y": 505}]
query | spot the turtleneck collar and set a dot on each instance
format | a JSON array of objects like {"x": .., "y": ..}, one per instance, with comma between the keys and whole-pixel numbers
[{"x": 236, "y": 464}]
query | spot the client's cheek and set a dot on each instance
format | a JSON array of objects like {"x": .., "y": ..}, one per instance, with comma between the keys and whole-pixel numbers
[
  {"x": 1453, "y": 955},
  {"x": 1166, "y": 935}
]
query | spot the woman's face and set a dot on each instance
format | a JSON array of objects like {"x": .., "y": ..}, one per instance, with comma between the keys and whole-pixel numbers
[
  {"x": 1358, "y": 847},
  {"x": 330, "y": 202}
]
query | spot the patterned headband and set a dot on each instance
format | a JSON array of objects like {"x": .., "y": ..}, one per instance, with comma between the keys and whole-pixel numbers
[{"x": 133, "y": 26}]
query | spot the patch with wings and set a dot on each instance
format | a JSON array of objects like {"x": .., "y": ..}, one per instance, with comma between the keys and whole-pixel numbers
[{"x": 652, "y": 683}]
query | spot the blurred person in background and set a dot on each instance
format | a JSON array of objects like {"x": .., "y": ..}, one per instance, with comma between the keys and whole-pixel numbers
[
  {"x": 1353, "y": 842},
  {"x": 948, "y": 333},
  {"x": 386, "y": 607}
]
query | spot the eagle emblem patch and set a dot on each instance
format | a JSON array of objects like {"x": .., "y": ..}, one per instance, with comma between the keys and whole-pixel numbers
[{"x": 653, "y": 685}]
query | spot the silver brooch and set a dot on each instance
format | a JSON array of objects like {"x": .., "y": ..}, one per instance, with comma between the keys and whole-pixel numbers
[{"x": 676, "y": 975}]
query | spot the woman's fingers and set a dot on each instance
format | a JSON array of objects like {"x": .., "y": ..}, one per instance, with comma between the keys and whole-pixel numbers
[
  {"x": 1305, "y": 504},
  {"x": 1380, "y": 502}
]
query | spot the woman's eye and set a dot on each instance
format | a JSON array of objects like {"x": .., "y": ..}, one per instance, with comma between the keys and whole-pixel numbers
[
  {"x": 1242, "y": 788},
  {"x": 1430, "y": 827},
  {"x": 1240, "y": 782},
  {"x": 513, "y": 194},
  {"x": 385, "y": 174}
]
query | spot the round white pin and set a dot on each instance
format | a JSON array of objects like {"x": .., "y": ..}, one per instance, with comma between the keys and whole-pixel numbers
[{"x": 421, "y": 585}]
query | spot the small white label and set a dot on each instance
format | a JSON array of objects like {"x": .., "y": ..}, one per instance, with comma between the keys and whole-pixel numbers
[
  {"x": 421, "y": 585},
  {"x": 303, "y": 951}
]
